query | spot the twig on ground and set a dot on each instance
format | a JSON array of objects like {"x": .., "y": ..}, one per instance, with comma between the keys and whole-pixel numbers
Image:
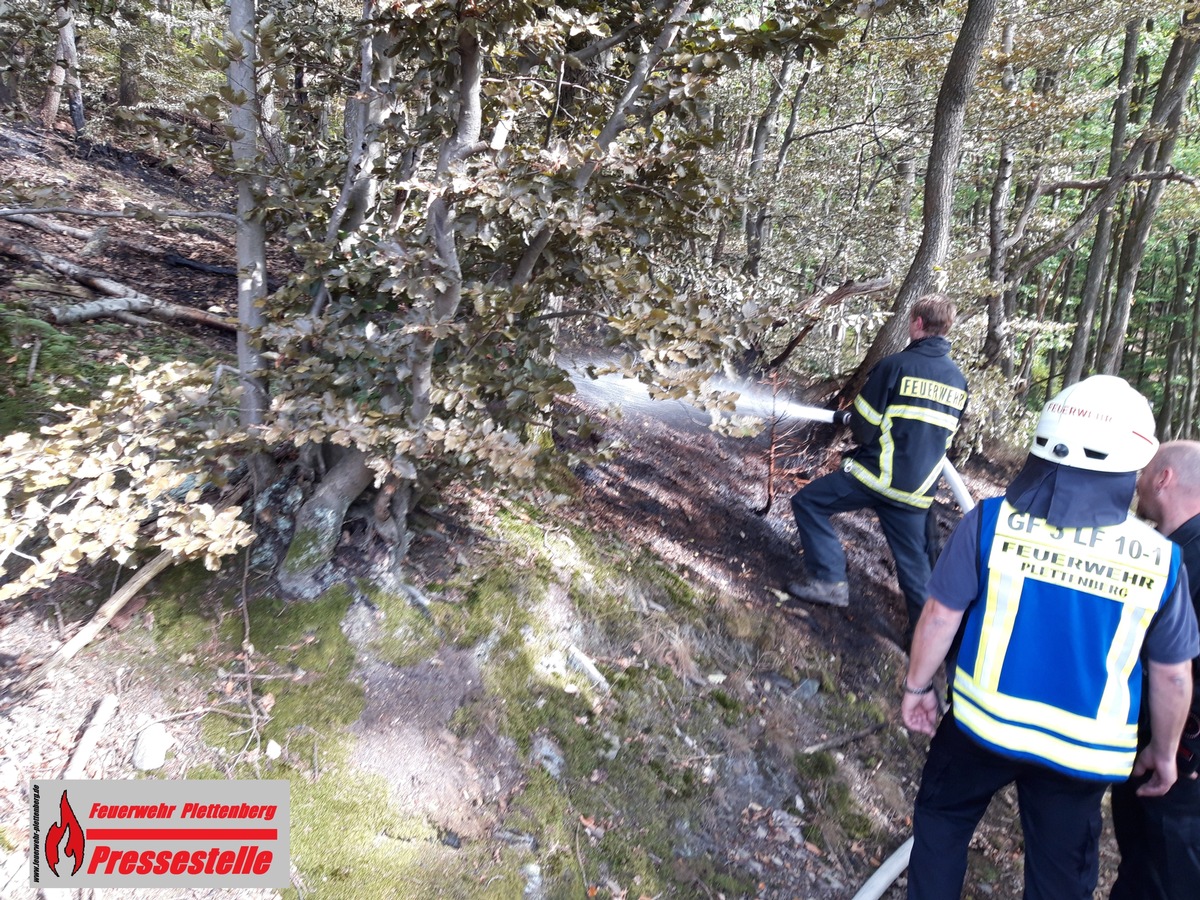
[
  {"x": 843, "y": 739},
  {"x": 579, "y": 857},
  {"x": 33, "y": 360},
  {"x": 248, "y": 658},
  {"x": 114, "y": 605},
  {"x": 91, "y": 736}
]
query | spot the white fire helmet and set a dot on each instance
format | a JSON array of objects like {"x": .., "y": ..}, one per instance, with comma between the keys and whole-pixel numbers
[{"x": 1100, "y": 424}]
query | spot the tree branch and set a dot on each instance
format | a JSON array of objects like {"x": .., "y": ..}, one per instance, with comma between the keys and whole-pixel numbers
[{"x": 616, "y": 123}]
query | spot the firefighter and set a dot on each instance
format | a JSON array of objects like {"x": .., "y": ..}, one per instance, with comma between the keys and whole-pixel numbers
[
  {"x": 1159, "y": 837},
  {"x": 903, "y": 422},
  {"x": 1059, "y": 593}
]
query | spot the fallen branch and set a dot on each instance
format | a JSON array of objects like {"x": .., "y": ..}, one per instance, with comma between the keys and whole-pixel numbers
[
  {"x": 841, "y": 292},
  {"x": 126, "y": 299},
  {"x": 109, "y": 609},
  {"x": 583, "y": 663},
  {"x": 91, "y": 736},
  {"x": 113, "y": 605},
  {"x": 842, "y": 740},
  {"x": 120, "y": 214},
  {"x": 50, "y": 227},
  {"x": 33, "y": 360}
]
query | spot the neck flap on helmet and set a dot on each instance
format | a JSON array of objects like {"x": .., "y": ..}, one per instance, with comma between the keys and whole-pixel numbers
[{"x": 1068, "y": 497}]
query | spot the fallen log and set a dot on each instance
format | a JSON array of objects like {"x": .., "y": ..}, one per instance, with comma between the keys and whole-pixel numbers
[
  {"x": 113, "y": 306},
  {"x": 123, "y": 298}
]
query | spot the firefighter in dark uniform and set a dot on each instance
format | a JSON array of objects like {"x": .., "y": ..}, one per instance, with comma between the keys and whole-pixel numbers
[
  {"x": 1058, "y": 597},
  {"x": 1159, "y": 837},
  {"x": 903, "y": 422}
]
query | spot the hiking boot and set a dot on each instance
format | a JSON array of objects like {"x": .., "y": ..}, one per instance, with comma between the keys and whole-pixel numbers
[{"x": 828, "y": 593}]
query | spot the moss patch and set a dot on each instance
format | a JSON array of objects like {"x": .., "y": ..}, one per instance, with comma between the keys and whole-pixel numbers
[
  {"x": 306, "y": 640},
  {"x": 407, "y": 634},
  {"x": 349, "y": 841}
]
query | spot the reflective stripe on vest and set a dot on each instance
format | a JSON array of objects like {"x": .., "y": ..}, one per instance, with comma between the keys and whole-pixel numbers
[
  {"x": 1049, "y": 666},
  {"x": 883, "y": 482}
]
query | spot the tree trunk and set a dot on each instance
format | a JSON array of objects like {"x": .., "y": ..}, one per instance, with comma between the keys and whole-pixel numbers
[
  {"x": 365, "y": 113},
  {"x": 64, "y": 72},
  {"x": 323, "y": 513},
  {"x": 758, "y": 208},
  {"x": 1191, "y": 408},
  {"x": 939, "y": 188},
  {"x": 1098, "y": 259},
  {"x": 10, "y": 81},
  {"x": 251, "y": 233},
  {"x": 997, "y": 345},
  {"x": 129, "y": 63},
  {"x": 1168, "y": 424},
  {"x": 128, "y": 89}
]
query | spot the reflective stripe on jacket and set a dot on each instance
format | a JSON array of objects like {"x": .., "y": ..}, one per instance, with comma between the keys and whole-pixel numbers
[
  {"x": 1049, "y": 669},
  {"x": 905, "y": 419}
]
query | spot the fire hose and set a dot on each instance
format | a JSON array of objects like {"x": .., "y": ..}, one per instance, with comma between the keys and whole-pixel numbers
[{"x": 894, "y": 865}]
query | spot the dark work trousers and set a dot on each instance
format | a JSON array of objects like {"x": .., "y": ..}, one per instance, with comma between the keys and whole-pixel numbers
[
  {"x": 1159, "y": 839},
  {"x": 1060, "y": 818},
  {"x": 903, "y": 526}
]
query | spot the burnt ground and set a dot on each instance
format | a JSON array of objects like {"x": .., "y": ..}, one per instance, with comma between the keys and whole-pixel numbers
[
  {"x": 700, "y": 500},
  {"x": 693, "y": 497}
]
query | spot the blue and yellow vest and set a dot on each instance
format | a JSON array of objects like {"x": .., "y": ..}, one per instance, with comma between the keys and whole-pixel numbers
[{"x": 1049, "y": 669}]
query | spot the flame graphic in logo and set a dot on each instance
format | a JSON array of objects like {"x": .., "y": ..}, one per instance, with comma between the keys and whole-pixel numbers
[{"x": 69, "y": 826}]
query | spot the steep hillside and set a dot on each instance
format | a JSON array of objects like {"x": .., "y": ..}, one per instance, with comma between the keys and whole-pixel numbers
[{"x": 590, "y": 693}]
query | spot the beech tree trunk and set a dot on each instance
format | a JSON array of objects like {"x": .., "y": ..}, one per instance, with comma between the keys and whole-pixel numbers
[
  {"x": 319, "y": 525},
  {"x": 997, "y": 345},
  {"x": 1168, "y": 424},
  {"x": 1191, "y": 407},
  {"x": 1098, "y": 258},
  {"x": 251, "y": 235},
  {"x": 129, "y": 63},
  {"x": 939, "y": 188},
  {"x": 65, "y": 72}
]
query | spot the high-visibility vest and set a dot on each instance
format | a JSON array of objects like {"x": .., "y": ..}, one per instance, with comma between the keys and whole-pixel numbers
[{"x": 1049, "y": 667}]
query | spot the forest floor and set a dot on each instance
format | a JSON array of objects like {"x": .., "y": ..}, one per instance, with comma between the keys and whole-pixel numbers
[{"x": 780, "y": 766}]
